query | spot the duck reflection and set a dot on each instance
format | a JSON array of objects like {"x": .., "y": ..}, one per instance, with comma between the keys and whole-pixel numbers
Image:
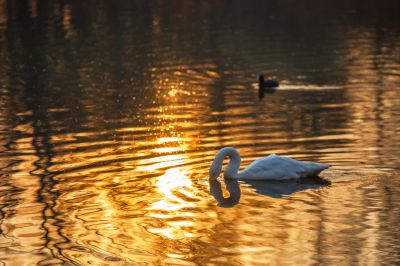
[
  {"x": 274, "y": 189},
  {"x": 262, "y": 92}
]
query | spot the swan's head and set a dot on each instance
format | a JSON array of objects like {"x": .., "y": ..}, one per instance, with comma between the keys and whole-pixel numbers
[{"x": 215, "y": 170}]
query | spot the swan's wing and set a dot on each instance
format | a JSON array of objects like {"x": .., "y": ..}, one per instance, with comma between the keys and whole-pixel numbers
[
  {"x": 276, "y": 167},
  {"x": 268, "y": 168}
]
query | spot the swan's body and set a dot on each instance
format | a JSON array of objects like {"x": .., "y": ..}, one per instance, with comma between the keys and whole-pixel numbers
[{"x": 272, "y": 167}]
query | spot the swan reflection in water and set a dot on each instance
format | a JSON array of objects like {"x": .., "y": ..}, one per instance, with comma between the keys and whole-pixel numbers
[
  {"x": 271, "y": 188},
  {"x": 232, "y": 185}
]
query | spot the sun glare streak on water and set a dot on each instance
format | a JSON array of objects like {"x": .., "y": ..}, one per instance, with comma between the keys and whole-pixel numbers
[{"x": 111, "y": 114}]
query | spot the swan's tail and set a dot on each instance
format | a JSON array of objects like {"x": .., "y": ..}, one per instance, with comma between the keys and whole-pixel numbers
[{"x": 314, "y": 169}]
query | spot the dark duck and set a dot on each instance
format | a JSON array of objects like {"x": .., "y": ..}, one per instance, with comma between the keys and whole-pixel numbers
[{"x": 266, "y": 86}]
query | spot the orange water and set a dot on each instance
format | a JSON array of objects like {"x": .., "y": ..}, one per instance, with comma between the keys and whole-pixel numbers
[{"x": 111, "y": 113}]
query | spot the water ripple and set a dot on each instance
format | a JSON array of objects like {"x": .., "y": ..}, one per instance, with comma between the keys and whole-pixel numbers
[{"x": 111, "y": 115}]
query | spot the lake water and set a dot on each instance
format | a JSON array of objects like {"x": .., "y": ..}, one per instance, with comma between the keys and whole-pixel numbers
[{"x": 111, "y": 113}]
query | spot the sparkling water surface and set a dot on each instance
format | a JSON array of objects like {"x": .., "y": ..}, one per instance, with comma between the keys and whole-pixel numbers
[{"x": 111, "y": 113}]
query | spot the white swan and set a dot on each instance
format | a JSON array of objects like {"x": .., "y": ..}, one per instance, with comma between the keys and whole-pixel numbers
[{"x": 272, "y": 167}]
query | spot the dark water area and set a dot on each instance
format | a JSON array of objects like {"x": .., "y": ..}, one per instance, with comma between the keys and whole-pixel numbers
[{"x": 111, "y": 113}]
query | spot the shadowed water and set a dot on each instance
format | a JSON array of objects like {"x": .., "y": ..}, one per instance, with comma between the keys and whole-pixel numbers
[{"x": 111, "y": 113}]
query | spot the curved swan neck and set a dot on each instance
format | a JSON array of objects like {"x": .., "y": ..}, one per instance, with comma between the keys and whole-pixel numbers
[{"x": 233, "y": 165}]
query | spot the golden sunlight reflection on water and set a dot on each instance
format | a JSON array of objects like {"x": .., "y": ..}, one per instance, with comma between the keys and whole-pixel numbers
[{"x": 172, "y": 184}]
